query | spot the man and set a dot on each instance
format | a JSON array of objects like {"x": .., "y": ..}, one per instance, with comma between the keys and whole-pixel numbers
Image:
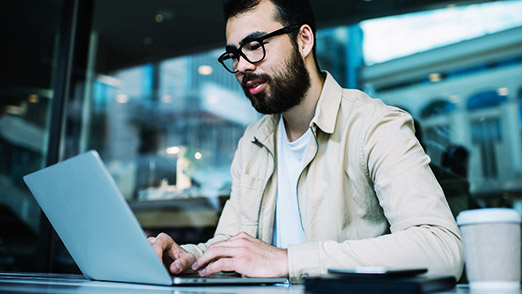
[{"x": 329, "y": 178}]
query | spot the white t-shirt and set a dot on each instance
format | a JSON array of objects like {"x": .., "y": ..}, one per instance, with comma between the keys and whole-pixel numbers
[{"x": 288, "y": 228}]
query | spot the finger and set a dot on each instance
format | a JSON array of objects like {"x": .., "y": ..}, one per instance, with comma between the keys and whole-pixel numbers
[
  {"x": 215, "y": 253},
  {"x": 158, "y": 250},
  {"x": 151, "y": 240},
  {"x": 176, "y": 267},
  {"x": 220, "y": 265},
  {"x": 163, "y": 238},
  {"x": 182, "y": 263},
  {"x": 161, "y": 244}
]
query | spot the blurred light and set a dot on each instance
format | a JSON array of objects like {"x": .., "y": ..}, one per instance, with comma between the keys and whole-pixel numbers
[
  {"x": 503, "y": 91},
  {"x": 205, "y": 70},
  {"x": 166, "y": 99},
  {"x": 163, "y": 15},
  {"x": 122, "y": 98},
  {"x": 33, "y": 98},
  {"x": 108, "y": 80},
  {"x": 173, "y": 150},
  {"x": 212, "y": 99},
  {"x": 455, "y": 98},
  {"x": 198, "y": 155},
  {"x": 435, "y": 77}
]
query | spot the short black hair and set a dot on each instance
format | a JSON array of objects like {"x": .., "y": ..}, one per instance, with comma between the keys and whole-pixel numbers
[{"x": 288, "y": 12}]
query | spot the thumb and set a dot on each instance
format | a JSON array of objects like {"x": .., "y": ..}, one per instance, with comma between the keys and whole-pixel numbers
[{"x": 182, "y": 260}]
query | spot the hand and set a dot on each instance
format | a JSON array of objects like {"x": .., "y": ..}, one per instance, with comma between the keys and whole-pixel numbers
[
  {"x": 245, "y": 255},
  {"x": 175, "y": 258}
]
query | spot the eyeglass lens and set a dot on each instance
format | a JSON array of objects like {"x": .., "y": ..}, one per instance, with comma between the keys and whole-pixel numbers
[{"x": 254, "y": 51}]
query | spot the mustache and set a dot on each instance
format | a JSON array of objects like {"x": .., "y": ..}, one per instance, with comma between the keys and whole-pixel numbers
[{"x": 253, "y": 77}]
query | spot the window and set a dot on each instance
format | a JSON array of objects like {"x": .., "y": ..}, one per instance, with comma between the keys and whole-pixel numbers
[
  {"x": 477, "y": 111},
  {"x": 26, "y": 96},
  {"x": 159, "y": 116},
  {"x": 151, "y": 98},
  {"x": 430, "y": 29}
]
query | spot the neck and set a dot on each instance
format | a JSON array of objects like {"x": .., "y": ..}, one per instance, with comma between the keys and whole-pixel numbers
[{"x": 297, "y": 120}]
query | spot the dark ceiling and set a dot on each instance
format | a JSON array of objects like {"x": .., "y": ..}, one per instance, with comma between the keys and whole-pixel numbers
[{"x": 132, "y": 32}]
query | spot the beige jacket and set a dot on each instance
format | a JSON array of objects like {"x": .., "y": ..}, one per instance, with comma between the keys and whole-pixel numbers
[{"x": 366, "y": 195}]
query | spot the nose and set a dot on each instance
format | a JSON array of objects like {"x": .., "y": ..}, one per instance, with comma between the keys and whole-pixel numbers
[{"x": 243, "y": 65}]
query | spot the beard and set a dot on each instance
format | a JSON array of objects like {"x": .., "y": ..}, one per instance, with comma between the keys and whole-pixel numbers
[{"x": 287, "y": 87}]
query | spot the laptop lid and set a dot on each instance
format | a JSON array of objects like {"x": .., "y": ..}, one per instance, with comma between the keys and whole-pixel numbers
[{"x": 95, "y": 223}]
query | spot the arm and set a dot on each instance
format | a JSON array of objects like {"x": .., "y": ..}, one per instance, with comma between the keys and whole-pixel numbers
[{"x": 423, "y": 231}]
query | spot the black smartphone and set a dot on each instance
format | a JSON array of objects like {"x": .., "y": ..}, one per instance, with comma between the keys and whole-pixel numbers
[{"x": 377, "y": 272}]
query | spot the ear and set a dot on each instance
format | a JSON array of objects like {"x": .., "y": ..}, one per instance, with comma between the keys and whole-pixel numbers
[{"x": 305, "y": 40}]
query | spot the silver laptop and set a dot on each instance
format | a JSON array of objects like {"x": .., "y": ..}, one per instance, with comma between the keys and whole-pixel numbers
[{"x": 91, "y": 217}]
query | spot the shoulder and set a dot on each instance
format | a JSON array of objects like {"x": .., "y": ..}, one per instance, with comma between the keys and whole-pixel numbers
[
  {"x": 358, "y": 106},
  {"x": 361, "y": 101},
  {"x": 363, "y": 120}
]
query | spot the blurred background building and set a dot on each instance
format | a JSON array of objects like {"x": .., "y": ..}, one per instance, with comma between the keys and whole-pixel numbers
[{"x": 139, "y": 81}]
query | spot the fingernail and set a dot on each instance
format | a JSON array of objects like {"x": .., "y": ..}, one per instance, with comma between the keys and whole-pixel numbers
[
  {"x": 195, "y": 265},
  {"x": 178, "y": 266},
  {"x": 202, "y": 272}
]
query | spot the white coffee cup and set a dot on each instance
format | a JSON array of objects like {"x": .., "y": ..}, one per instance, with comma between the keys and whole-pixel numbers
[{"x": 492, "y": 248}]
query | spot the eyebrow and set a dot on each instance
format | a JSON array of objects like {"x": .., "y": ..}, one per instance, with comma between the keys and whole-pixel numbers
[
  {"x": 251, "y": 37},
  {"x": 248, "y": 38}
]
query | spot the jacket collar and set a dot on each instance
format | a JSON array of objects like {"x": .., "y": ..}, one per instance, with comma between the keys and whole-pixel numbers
[
  {"x": 328, "y": 105},
  {"x": 265, "y": 133},
  {"x": 324, "y": 118}
]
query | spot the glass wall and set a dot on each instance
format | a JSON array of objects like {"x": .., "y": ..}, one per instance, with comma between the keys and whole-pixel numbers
[
  {"x": 461, "y": 81},
  {"x": 166, "y": 118},
  {"x": 28, "y": 69},
  {"x": 167, "y": 132},
  {"x": 166, "y": 128}
]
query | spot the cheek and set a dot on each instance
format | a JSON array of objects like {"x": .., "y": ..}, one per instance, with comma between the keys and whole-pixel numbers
[{"x": 280, "y": 64}]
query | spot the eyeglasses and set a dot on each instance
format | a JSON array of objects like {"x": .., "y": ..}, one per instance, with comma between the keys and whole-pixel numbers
[{"x": 251, "y": 49}]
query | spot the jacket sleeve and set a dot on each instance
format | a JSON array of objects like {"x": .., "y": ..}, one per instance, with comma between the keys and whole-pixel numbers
[{"x": 423, "y": 230}]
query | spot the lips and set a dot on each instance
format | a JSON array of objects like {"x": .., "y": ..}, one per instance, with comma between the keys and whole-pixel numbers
[{"x": 255, "y": 86}]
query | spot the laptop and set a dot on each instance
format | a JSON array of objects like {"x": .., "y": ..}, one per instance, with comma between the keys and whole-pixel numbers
[{"x": 96, "y": 225}]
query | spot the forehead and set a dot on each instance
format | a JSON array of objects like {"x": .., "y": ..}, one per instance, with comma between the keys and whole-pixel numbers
[{"x": 259, "y": 19}]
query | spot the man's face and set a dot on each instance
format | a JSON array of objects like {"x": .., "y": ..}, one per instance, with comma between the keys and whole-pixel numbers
[{"x": 281, "y": 80}]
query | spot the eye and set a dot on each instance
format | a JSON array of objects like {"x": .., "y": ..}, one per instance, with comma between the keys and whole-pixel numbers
[{"x": 253, "y": 46}]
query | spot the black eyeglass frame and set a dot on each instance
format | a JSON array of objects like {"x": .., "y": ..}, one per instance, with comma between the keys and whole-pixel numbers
[{"x": 237, "y": 52}]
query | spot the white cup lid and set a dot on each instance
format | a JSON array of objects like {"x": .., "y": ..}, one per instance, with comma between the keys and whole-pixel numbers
[{"x": 488, "y": 215}]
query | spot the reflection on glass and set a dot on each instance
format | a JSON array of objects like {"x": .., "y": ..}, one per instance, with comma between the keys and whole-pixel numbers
[
  {"x": 171, "y": 125},
  {"x": 463, "y": 98},
  {"x": 168, "y": 129},
  {"x": 25, "y": 109},
  {"x": 168, "y": 132},
  {"x": 385, "y": 38}
]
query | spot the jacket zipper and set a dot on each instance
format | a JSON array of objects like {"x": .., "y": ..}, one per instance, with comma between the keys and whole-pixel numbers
[
  {"x": 264, "y": 190},
  {"x": 299, "y": 178}
]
